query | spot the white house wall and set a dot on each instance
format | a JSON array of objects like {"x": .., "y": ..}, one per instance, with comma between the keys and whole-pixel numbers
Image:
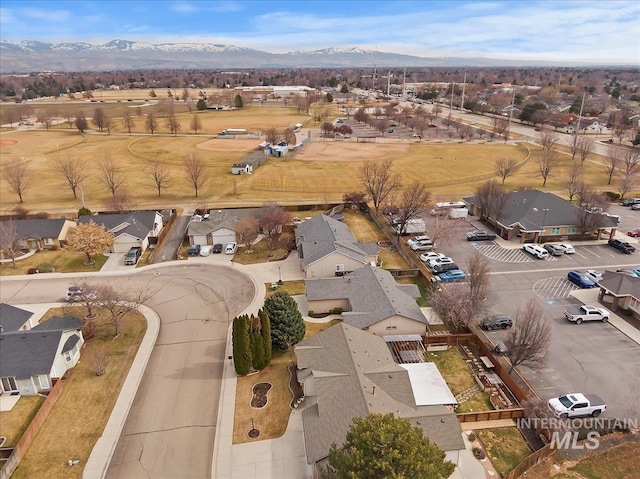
[
  {"x": 223, "y": 236},
  {"x": 27, "y": 387},
  {"x": 397, "y": 325},
  {"x": 325, "y": 305},
  {"x": 326, "y": 267}
]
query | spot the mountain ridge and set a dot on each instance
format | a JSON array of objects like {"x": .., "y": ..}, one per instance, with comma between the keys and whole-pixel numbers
[{"x": 30, "y": 55}]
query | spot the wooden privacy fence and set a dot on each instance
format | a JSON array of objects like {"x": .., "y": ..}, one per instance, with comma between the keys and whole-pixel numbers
[
  {"x": 32, "y": 430},
  {"x": 530, "y": 461},
  {"x": 512, "y": 413}
]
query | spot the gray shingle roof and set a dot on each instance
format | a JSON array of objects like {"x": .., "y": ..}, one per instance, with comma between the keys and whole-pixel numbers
[
  {"x": 355, "y": 375},
  {"x": 620, "y": 284},
  {"x": 70, "y": 343},
  {"x": 323, "y": 235},
  {"x": 137, "y": 224},
  {"x": 372, "y": 293},
  {"x": 527, "y": 209},
  {"x": 223, "y": 219},
  {"x": 39, "y": 229},
  {"x": 12, "y": 318},
  {"x": 59, "y": 323},
  {"x": 26, "y": 353}
]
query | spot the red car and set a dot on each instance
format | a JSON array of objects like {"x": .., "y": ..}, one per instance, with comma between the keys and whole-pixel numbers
[{"x": 634, "y": 233}]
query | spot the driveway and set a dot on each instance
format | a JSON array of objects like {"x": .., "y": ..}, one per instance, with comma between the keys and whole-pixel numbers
[{"x": 168, "y": 250}]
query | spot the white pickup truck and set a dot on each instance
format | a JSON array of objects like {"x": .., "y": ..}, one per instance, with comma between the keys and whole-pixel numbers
[
  {"x": 577, "y": 405},
  {"x": 586, "y": 313}
]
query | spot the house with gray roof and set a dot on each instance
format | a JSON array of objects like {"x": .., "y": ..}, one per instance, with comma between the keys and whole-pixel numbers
[
  {"x": 32, "y": 360},
  {"x": 621, "y": 291},
  {"x": 535, "y": 216},
  {"x": 129, "y": 229},
  {"x": 370, "y": 299},
  {"x": 327, "y": 247},
  {"x": 39, "y": 234},
  {"x": 347, "y": 373},
  {"x": 14, "y": 319},
  {"x": 221, "y": 225}
]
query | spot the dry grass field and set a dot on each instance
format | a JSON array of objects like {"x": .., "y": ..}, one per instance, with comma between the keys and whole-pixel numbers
[{"x": 318, "y": 171}]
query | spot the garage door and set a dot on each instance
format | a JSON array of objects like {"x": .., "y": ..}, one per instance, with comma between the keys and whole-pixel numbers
[
  {"x": 200, "y": 239},
  {"x": 223, "y": 238}
]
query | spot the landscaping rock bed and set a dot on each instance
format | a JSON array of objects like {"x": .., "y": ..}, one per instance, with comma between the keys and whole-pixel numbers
[{"x": 260, "y": 395}]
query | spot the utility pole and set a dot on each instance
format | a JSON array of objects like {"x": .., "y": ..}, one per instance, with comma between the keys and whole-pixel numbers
[
  {"x": 575, "y": 133},
  {"x": 389, "y": 83},
  {"x": 404, "y": 84},
  {"x": 464, "y": 84},
  {"x": 453, "y": 87},
  {"x": 513, "y": 99}
]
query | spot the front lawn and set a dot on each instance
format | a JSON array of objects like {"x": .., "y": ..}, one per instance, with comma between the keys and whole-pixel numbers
[
  {"x": 505, "y": 448},
  {"x": 295, "y": 287},
  {"x": 61, "y": 260},
  {"x": 82, "y": 410},
  {"x": 260, "y": 253},
  {"x": 453, "y": 369}
]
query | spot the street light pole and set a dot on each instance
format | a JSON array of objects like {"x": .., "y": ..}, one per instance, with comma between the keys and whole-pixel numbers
[
  {"x": 279, "y": 276},
  {"x": 544, "y": 218}
]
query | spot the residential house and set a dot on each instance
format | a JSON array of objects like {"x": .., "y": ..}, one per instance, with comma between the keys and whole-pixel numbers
[
  {"x": 32, "y": 360},
  {"x": 347, "y": 373},
  {"x": 536, "y": 216},
  {"x": 622, "y": 291},
  {"x": 370, "y": 299},
  {"x": 327, "y": 247},
  {"x": 14, "y": 319},
  {"x": 221, "y": 227},
  {"x": 138, "y": 228},
  {"x": 39, "y": 234}
]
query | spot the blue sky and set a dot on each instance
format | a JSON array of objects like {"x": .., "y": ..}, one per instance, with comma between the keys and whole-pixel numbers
[{"x": 592, "y": 31}]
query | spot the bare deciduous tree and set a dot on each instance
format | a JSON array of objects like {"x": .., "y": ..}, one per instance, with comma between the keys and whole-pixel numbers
[
  {"x": 627, "y": 183},
  {"x": 111, "y": 174},
  {"x": 119, "y": 302},
  {"x": 574, "y": 180},
  {"x": 506, "y": 167},
  {"x": 446, "y": 229},
  {"x": 8, "y": 239},
  {"x": 582, "y": 147},
  {"x": 412, "y": 202},
  {"x": 195, "y": 170},
  {"x": 81, "y": 122},
  {"x": 121, "y": 202},
  {"x": 612, "y": 162},
  {"x": 548, "y": 156},
  {"x": 453, "y": 305},
  {"x": 99, "y": 358},
  {"x": 127, "y": 121},
  {"x": 478, "y": 279},
  {"x": 492, "y": 199},
  {"x": 150, "y": 123},
  {"x": 272, "y": 223},
  {"x": 271, "y": 136},
  {"x": 19, "y": 176},
  {"x": 90, "y": 239},
  {"x": 247, "y": 230},
  {"x": 73, "y": 170},
  {"x": 630, "y": 162},
  {"x": 289, "y": 136},
  {"x": 196, "y": 124},
  {"x": 159, "y": 173},
  {"x": 591, "y": 206},
  {"x": 529, "y": 338},
  {"x": 379, "y": 180},
  {"x": 100, "y": 118},
  {"x": 173, "y": 124}
]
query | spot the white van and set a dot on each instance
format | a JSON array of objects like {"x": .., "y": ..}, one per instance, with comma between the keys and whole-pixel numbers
[
  {"x": 205, "y": 250},
  {"x": 536, "y": 250}
]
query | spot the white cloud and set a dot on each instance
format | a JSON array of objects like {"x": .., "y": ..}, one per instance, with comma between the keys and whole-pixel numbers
[
  {"x": 183, "y": 7},
  {"x": 51, "y": 16},
  {"x": 6, "y": 16}
]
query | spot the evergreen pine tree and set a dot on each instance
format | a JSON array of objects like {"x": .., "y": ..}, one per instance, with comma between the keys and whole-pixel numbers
[
  {"x": 287, "y": 325},
  {"x": 240, "y": 341},
  {"x": 257, "y": 347},
  {"x": 265, "y": 331}
]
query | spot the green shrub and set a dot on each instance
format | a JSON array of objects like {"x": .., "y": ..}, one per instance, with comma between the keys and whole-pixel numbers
[
  {"x": 612, "y": 195},
  {"x": 335, "y": 311}
]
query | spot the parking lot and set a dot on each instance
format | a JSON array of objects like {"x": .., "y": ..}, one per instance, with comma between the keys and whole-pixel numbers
[{"x": 591, "y": 357}]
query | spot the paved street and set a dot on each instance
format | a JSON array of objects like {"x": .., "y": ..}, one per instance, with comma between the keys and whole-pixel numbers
[{"x": 170, "y": 430}]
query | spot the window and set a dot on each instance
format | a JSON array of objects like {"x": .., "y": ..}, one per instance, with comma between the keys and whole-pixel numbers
[
  {"x": 339, "y": 267},
  {"x": 67, "y": 356},
  {"x": 48, "y": 241},
  {"x": 392, "y": 328},
  {"x": 635, "y": 304},
  {"x": 9, "y": 385},
  {"x": 555, "y": 231},
  {"x": 571, "y": 230}
]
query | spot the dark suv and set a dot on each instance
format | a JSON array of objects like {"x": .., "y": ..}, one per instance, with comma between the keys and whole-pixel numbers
[
  {"x": 621, "y": 246},
  {"x": 442, "y": 268},
  {"x": 498, "y": 321},
  {"x": 481, "y": 236},
  {"x": 631, "y": 202}
]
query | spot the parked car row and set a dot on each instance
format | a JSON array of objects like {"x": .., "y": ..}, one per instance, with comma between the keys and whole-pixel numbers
[
  {"x": 207, "y": 249},
  {"x": 553, "y": 249},
  {"x": 631, "y": 202},
  {"x": 443, "y": 266}
]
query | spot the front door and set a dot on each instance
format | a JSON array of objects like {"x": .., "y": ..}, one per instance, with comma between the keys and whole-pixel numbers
[{"x": 45, "y": 384}]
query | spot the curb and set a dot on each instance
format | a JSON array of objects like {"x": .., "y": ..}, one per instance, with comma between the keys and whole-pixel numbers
[{"x": 102, "y": 452}]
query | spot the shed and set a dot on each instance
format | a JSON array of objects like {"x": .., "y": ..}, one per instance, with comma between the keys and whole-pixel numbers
[{"x": 241, "y": 169}]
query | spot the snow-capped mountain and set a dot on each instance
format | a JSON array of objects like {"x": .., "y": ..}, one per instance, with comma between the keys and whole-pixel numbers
[{"x": 29, "y": 56}]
